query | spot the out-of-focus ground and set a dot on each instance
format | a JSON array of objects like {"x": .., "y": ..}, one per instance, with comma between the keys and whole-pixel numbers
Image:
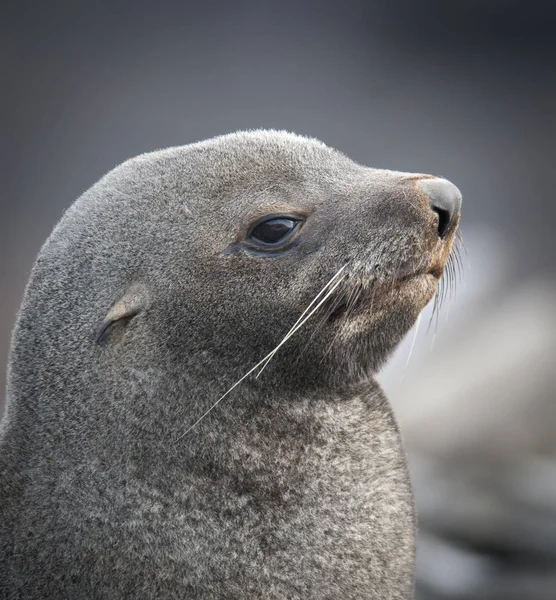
[{"x": 463, "y": 89}]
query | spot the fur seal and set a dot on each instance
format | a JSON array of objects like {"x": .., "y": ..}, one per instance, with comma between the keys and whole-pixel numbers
[{"x": 159, "y": 289}]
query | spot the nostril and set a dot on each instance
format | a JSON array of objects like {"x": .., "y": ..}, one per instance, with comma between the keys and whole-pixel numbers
[
  {"x": 444, "y": 200},
  {"x": 443, "y": 221}
]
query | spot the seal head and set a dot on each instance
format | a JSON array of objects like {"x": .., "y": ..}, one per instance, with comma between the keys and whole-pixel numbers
[{"x": 159, "y": 289}]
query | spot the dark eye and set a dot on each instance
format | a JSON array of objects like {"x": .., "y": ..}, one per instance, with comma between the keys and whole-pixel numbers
[{"x": 273, "y": 231}]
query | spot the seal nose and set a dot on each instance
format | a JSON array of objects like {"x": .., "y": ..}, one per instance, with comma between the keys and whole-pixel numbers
[{"x": 445, "y": 201}]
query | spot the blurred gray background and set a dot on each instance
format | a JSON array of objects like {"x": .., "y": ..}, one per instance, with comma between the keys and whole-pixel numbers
[{"x": 464, "y": 89}]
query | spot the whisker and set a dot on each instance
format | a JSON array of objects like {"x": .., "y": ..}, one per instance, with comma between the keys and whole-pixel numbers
[
  {"x": 457, "y": 263},
  {"x": 315, "y": 299},
  {"x": 299, "y": 323},
  {"x": 433, "y": 310},
  {"x": 461, "y": 249},
  {"x": 449, "y": 279},
  {"x": 414, "y": 339},
  {"x": 451, "y": 276},
  {"x": 459, "y": 236},
  {"x": 265, "y": 360},
  {"x": 436, "y": 312},
  {"x": 441, "y": 292},
  {"x": 447, "y": 312},
  {"x": 337, "y": 302},
  {"x": 457, "y": 272},
  {"x": 349, "y": 310}
]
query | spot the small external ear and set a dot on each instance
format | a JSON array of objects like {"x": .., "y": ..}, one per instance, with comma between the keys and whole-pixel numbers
[{"x": 134, "y": 301}]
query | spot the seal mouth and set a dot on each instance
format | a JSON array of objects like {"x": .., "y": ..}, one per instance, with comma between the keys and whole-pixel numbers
[
  {"x": 361, "y": 294},
  {"x": 414, "y": 268},
  {"x": 365, "y": 287}
]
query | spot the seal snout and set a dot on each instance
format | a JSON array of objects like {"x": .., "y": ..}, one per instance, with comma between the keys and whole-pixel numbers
[{"x": 445, "y": 201}]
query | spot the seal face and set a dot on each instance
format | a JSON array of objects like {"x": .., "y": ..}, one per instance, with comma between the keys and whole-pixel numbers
[{"x": 162, "y": 286}]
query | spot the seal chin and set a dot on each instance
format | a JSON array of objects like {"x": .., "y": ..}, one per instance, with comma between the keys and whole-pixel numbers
[
  {"x": 409, "y": 294},
  {"x": 418, "y": 289}
]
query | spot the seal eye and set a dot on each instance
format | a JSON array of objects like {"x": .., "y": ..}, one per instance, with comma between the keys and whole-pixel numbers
[{"x": 273, "y": 231}]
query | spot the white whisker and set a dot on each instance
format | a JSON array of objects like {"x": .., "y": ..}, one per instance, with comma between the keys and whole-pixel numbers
[
  {"x": 327, "y": 290},
  {"x": 298, "y": 324},
  {"x": 323, "y": 290},
  {"x": 414, "y": 339}
]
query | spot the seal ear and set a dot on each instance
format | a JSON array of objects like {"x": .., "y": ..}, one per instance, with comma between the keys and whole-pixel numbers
[{"x": 134, "y": 301}]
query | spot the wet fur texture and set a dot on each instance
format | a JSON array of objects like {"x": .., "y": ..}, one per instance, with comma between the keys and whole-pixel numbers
[{"x": 296, "y": 485}]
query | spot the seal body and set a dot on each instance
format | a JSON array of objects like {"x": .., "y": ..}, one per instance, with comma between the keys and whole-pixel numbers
[{"x": 156, "y": 292}]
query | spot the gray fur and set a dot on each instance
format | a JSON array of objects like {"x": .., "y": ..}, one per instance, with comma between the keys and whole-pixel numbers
[{"x": 296, "y": 485}]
